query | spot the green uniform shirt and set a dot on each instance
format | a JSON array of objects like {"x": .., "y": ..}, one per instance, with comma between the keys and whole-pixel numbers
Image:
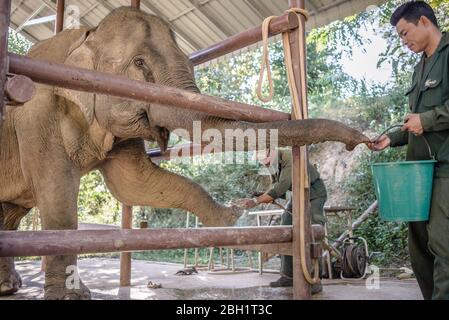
[
  {"x": 282, "y": 179},
  {"x": 429, "y": 96}
]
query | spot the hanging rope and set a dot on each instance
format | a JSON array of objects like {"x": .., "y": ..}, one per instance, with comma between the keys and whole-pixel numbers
[
  {"x": 265, "y": 63},
  {"x": 299, "y": 110}
]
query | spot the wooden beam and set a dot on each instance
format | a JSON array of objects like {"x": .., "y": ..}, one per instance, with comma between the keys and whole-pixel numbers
[
  {"x": 300, "y": 197},
  {"x": 313, "y": 6},
  {"x": 181, "y": 33},
  {"x": 27, "y": 20},
  {"x": 27, "y": 34},
  {"x": 258, "y": 9},
  {"x": 223, "y": 34}
]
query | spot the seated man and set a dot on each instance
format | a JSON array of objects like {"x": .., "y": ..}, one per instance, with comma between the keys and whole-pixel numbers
[{"x": 279, "y": 163}]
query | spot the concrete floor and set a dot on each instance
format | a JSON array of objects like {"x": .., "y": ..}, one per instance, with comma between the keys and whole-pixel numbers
[{"x": 102, "y": 277}]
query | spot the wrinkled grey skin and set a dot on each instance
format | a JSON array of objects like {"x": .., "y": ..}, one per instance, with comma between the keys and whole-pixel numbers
[{"x": 48, "y": 144}]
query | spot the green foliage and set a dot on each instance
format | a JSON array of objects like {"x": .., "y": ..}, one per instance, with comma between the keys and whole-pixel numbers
[
  {"x": 399, "y": 57},
  {"x": 95, "y": 203},
  {"x": 388, "y": 238},
  {"x": 237, "y": 78},
  {"x": 17, "y": 43}
]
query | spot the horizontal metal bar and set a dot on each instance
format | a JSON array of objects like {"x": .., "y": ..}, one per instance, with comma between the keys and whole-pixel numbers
[
  {"x": 39, "y": 21},
  {"x": 102, "y": 83},
  {"x": 64, "y": 242},
  {"x": 275, "y": 248},
  {"x": 279, "y": 25}
]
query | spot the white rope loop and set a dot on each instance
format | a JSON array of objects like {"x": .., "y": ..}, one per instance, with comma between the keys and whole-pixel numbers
[{"x": 265, "y": 63}]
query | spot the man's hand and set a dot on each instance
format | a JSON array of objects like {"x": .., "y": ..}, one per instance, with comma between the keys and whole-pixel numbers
[
  {"x": 380, "y": 144},
  {"x": 413, "y": 124},
  {"x": 245, "y": 203}
]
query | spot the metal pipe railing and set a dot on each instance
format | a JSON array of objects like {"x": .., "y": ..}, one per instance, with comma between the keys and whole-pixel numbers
[
  {"x": 279, "y": 25},
  {"x": 60, "y": 9},
  {"x": 66, "y": 242},
  {"x": 103, "y": 83}
]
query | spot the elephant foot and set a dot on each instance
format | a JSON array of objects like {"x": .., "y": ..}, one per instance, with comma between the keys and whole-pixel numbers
[
  {"x": 10, "y": 281},
  {"x": 232, "y": 214},
  {"x": 61, "y": 292}
]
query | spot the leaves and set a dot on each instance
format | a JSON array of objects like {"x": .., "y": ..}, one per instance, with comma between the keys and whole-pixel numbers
[{"x": 17, "y": 43}]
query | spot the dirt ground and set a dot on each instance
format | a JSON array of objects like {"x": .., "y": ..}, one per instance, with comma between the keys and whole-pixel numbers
[{"x": 102, "y": 277}]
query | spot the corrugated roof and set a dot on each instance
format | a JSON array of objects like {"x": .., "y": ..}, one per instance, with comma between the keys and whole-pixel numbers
[{"x": 198, "y": 24}]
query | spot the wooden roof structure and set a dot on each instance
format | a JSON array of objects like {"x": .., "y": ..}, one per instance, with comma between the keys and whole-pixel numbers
[{"x": 198, "y": 24}]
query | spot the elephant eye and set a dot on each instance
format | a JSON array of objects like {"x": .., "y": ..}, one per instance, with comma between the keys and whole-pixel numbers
[{"x": 139, "y": 62}]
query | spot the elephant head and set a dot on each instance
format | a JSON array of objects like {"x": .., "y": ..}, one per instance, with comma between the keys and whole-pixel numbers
[
  {"x": 141, "y": 46},
  {"x": 136, "y": 45}
]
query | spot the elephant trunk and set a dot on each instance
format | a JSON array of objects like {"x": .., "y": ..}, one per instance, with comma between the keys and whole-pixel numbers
[
  {"x": 232, "y": 135},
  {"x": 218, "y": 132},
  {"x": 312, "y": 131}
]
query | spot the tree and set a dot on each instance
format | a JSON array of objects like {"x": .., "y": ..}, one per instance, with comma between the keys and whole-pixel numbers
[
  {"x": 17, "y": 43},
  {"x": 399, "y": 57}
]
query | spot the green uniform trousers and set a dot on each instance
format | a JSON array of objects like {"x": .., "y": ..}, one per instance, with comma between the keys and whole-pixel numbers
[
  {"x": 429, "y": 245},
  {"x": 316, "y": 212}
]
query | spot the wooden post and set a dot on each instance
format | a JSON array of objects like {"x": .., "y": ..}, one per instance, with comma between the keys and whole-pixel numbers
[
  {"x": 301, "y": 288},
  {"x": 5, "y": 10},
  {"x": 125, "y": 257},
  {"x": 186, "y": 251},
  {"x": 196, "y": 249},
  {"x": 60, "y": 8},
  {"x": 135, "y": 4}
]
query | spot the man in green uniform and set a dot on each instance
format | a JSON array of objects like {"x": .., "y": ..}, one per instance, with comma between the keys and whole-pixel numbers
[
  {"x": 428, "y": 241},
  {"x": 279, "y": 163}
]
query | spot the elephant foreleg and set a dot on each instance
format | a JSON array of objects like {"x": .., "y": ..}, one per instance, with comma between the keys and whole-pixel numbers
[
  {"x": 134, "y": 180},
  {"x": 10, "y": 217},
  {"x": 56, "y": 191}
]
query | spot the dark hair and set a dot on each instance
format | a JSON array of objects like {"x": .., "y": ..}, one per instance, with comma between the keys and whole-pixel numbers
[{"x": 412, "y": 11}]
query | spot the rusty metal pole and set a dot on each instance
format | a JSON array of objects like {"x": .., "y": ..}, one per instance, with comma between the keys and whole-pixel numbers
[
  {"x": 244, "y": 39},
  {"x": 65, "y": 76},
  {"x": 125, "y": 257},
  {"x": 68, "y": 242},
  {"x": 5, "y": 10},
  {"x": 60, "y": 8},
  {"x": 135, "y": 4},
  {"x": 301, "y": 288}
]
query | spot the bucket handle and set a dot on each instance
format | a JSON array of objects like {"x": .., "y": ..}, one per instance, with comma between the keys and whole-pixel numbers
[{"x": 431, "y": 155}]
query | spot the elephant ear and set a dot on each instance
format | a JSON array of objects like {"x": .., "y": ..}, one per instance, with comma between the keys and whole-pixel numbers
[{"x": 81, "y": 55}]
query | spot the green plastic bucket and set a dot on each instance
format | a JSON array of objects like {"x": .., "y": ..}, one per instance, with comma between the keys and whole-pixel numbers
[{"x": 404, "y": 189}]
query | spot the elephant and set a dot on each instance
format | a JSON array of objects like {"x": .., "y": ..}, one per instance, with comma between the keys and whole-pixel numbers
[{"x": 50, "y": 142}]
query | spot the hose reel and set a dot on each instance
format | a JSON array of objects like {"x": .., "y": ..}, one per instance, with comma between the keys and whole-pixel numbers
[{"x": 354, "y": 260}]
